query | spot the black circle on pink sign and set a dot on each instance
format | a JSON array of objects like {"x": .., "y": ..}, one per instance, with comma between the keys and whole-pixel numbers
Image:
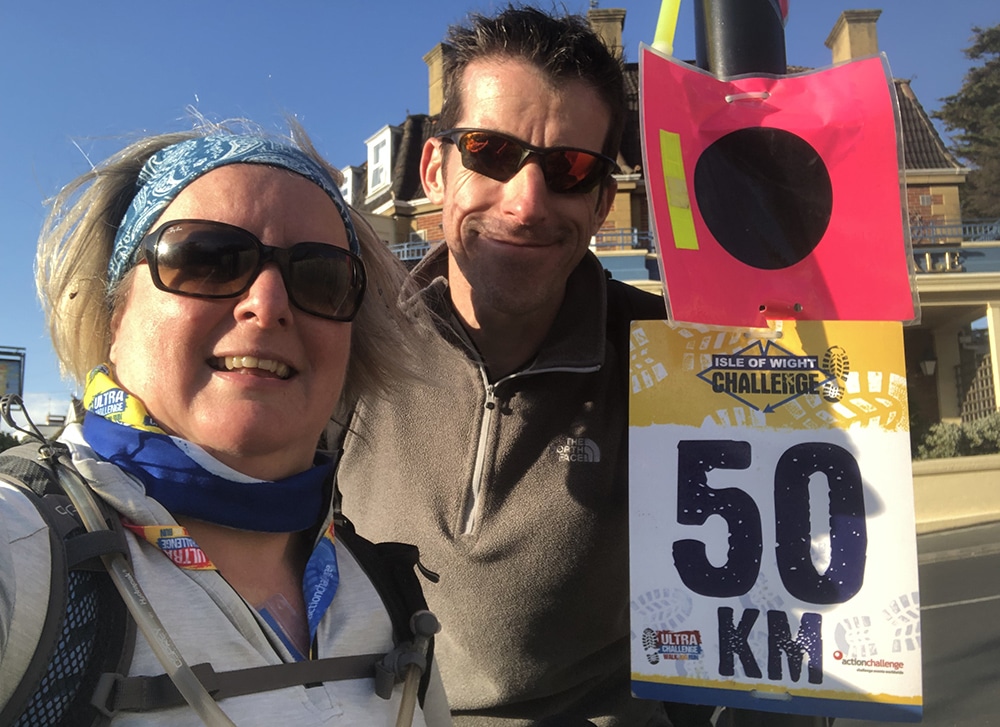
[{"x": 765, "y": 195}]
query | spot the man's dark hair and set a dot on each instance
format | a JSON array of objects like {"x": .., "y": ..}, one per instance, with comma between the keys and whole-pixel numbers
[{"x": 563, "y": 47}]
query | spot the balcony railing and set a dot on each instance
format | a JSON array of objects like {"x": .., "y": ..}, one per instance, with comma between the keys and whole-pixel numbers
[
  {"x": 410, "y": 251},
  {"x": 971, "y": 246},
  {"x": 936, "y": 233},
  {"x": 622, "y": 239}
]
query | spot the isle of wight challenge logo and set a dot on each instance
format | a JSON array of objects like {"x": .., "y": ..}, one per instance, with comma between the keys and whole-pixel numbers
[{"x": 765, "y": 376}]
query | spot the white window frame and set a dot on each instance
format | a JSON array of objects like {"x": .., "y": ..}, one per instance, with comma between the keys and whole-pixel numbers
[
  {"x": 380, "y": 152},
  {"x": 349, "y": 186}
]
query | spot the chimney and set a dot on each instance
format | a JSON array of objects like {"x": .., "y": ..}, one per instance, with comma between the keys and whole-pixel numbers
[
  {"x": 435, "y": 79},
  {"x": 853, "y": 35},
  {"x": 608, "y": 24}
]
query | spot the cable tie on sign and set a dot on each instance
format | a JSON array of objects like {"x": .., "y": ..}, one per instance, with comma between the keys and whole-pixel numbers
[
  {"x": 772, "y": 332},
  {"x": 748, "y": 96},
  {"x": 776, "y": 696}
]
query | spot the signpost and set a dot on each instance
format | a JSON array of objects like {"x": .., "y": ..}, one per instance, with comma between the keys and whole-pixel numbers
[{"x": 12, "y": 371}]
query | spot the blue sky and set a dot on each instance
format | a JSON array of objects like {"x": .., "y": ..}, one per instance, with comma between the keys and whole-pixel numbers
[{"x": 78, "y": 80}]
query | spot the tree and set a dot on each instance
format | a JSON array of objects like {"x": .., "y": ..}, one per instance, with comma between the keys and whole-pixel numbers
[
  {"x": 974, "y": 114},
  {"x": 7, "y": 441}
]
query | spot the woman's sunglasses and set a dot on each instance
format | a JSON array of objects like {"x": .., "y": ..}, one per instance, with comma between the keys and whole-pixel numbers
[
  {"x": 500, "y": 157},
  {"x": 204, "y": 259}
]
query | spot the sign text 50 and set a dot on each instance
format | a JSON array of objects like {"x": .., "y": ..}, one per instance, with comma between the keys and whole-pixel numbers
[{"x": 696, "y": 501}]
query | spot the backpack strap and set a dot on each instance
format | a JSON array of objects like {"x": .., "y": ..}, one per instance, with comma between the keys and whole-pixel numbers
[
  {"x": 116, "y": 693},
  {"x": 390, "y": 568},
  {"x": 87, "y": 628}
]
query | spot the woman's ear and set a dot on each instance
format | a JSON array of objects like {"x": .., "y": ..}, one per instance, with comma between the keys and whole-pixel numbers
[
  {"x": 113, "y": 346},
  {"x": 117, "y": 308}
]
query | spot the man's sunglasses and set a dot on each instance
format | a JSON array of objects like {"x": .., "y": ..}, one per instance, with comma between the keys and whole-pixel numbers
[
  {"x": 500, "y": 157},
  {"x": 204, "y": 259}
]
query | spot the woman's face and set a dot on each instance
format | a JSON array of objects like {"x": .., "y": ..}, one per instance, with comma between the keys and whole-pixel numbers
[{"x": 205, "y": 369}]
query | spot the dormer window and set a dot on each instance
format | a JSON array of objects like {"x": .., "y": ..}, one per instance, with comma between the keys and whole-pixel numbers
[
  {"x": 352, "y": 183},
  {"x": 380, "y": 150},
  {"x": 380, "y": 158}
]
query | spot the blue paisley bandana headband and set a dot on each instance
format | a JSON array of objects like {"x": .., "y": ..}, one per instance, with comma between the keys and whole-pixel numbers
[{"x": 173, "y": 168}]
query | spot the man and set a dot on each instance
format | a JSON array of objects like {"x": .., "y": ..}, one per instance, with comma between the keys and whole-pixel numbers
[{"x": 509, "y": 468}]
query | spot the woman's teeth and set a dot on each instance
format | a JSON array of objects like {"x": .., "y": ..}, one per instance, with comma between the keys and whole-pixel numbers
[{"x": 252, "y": 362}]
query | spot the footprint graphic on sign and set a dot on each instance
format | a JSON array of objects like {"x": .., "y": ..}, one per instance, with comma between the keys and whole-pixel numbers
[
  {"x": 903, "y": 615},
  {"x": 856, "y": 637},
  {"x": 646, "y": 372}
]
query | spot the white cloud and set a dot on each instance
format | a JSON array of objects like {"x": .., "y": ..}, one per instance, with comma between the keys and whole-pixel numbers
[{"x": 40, "y": 406}]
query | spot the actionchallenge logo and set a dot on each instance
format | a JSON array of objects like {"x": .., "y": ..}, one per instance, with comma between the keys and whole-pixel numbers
[{"x": 883, "y": 666}]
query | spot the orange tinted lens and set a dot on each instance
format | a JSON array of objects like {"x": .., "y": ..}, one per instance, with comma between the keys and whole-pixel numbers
[
  {"x": 571, "y": 171},
  {"x": 491, "y": 155}
]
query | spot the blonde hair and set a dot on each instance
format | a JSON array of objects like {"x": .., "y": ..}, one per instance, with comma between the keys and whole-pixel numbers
[{"x": 76, "y": 243}]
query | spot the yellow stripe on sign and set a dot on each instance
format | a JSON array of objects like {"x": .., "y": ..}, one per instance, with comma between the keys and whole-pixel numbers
[{"x": 678, "y": 202}]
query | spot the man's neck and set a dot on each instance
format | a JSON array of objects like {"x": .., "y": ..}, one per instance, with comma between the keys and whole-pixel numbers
[{"x": 506, "y": 342}]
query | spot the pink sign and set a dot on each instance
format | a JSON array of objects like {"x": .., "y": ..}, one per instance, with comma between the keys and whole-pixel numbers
[{"x": 776, "y": 197}]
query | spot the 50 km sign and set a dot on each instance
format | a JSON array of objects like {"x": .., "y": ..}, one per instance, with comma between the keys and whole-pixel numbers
[{"x": 773, "y": 557}]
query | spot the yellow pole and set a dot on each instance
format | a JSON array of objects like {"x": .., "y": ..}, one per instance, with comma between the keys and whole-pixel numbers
[{"x": 666, "y": 26}]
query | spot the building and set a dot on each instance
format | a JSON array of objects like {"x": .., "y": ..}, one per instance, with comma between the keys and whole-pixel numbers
[{"x": 953, "y": 368}]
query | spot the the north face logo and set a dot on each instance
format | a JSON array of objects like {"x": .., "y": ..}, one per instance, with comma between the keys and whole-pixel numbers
[{"x": 578, "y": 450}]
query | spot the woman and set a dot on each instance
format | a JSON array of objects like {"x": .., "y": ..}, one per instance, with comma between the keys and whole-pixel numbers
[{"x": 210, "y": 287}]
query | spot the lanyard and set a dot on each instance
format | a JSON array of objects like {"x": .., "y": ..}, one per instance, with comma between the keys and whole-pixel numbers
[{"x": 319, "y": 583}]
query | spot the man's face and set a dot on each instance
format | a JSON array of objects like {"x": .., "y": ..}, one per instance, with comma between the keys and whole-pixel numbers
[{"x": 512, "y": 245}]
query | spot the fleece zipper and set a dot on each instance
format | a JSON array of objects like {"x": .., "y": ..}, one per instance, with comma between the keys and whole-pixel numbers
[
  {"x": 473, "y": 506},
  {"x": 473, "y": 503}
]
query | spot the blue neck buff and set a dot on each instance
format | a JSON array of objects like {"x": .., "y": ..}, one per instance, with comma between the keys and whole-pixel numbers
[{"x": 118, "y": 428}]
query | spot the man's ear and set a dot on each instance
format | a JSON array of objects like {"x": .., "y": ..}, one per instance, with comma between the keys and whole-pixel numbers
[
  {"x": 432, "y": 170},
  {"x": 605, "y": 198}
]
